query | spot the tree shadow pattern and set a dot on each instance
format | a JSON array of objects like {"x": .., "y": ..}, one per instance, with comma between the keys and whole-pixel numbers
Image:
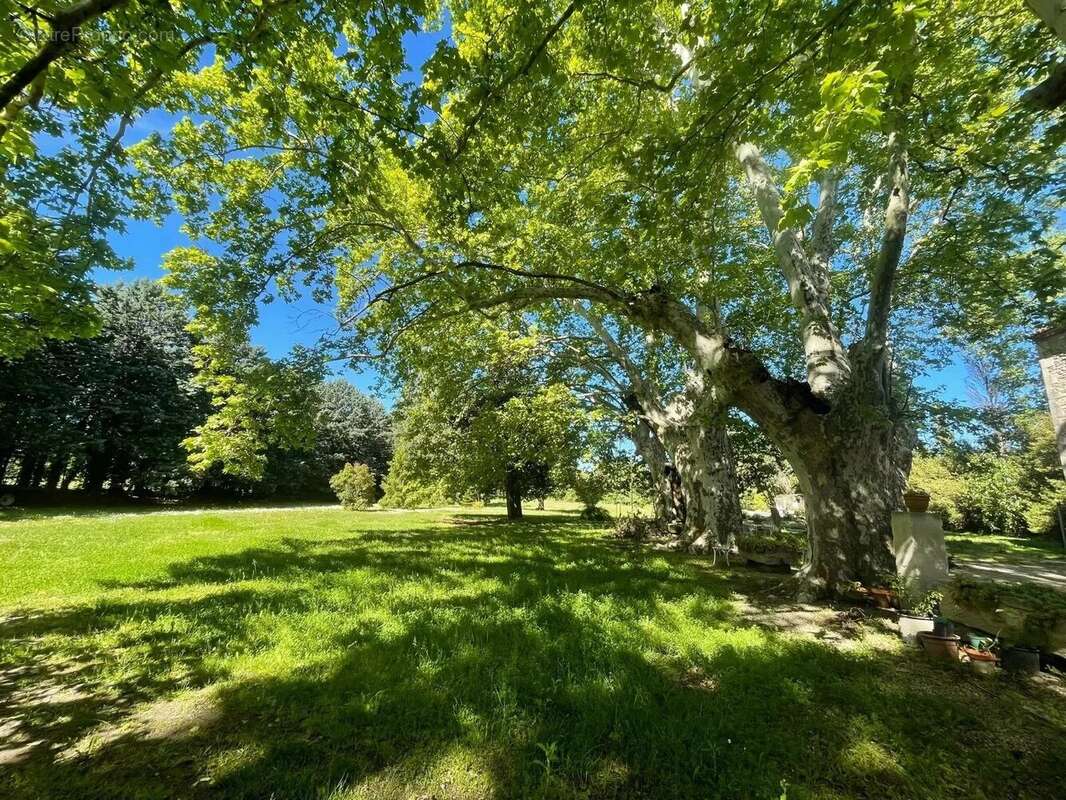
[{"x": 482, "y": 659}]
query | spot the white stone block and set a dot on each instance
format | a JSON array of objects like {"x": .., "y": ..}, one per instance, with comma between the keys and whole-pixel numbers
[{"x": 921, "y": 557}]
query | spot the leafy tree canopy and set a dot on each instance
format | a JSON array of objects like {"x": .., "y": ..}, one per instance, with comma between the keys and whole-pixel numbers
[
  {"x": 591, "y": 150},
  {"x": 112, "y": 408},
  {"x": 76, "y": 76}
]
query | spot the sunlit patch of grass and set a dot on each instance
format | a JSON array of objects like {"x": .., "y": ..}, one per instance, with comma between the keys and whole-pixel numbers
[
  {"x": 1005, "y": 549},
  {"x": 453, "y": 655},
  {"x": 870, "y": 758}
]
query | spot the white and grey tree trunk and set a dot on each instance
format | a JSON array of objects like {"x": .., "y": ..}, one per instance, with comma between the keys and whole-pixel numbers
[
  {"x": 704, "y": 460},
  {"x": 668, "y": 505},
  {"x": 692, "y": 429}
]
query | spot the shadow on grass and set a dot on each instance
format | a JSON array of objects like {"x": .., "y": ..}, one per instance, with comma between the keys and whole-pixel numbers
[{"x": 481, "y": 659}]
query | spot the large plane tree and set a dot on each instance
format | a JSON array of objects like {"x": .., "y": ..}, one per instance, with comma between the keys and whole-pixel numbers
[{"x": 786, "y": 191}]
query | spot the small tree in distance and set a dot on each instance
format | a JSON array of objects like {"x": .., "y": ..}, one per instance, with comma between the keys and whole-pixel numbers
[
  {"x": 354, "y": 486},
  {"x": 590, "y": 486}
]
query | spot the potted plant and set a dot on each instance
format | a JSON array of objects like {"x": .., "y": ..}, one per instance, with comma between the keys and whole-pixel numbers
[
  {"x": 938, "y": 646},
  {"x": 916, "y": 499},
  {"x": 942, "y": 626},
  {"x": 1021, "y": 660},
  {"x": 978, "y": 653},
  {"x": 917, "y": 609}
]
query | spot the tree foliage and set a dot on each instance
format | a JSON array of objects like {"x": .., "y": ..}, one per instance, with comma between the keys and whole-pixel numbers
[
  {"x": 351, "y": 427},
  {"x": 78, "y": 76},
  {"x": 1014, "y": 490},
  {"x": 112, "y": 409}
]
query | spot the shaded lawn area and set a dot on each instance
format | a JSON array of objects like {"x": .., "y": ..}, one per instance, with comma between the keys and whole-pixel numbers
[
  {"x": 329, "y": 654},
  {"x": 1005, "y": 549}
]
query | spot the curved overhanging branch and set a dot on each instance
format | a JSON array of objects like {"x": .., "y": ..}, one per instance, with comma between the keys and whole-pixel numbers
[
  {"x": 738, "y": 373},
  {"x": 637, "y": 381}
]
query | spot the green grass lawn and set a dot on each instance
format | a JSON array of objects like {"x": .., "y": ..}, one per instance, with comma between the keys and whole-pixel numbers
[
  {"x": 1005, "y": 549},
  {"x": 317, "y": 653}
]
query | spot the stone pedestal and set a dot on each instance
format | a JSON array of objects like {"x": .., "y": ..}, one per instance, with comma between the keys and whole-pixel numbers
[{"x": 921, "y": 557}]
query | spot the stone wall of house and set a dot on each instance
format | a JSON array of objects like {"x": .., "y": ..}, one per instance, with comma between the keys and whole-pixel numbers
[{"x": 1051, "y": 349}]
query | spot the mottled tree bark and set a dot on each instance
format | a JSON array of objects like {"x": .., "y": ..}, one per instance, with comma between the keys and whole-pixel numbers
[
  {"x": 668, "y": 505},
  {"x": 704, "y": 461},
  {"x": 692, "y": 429}
]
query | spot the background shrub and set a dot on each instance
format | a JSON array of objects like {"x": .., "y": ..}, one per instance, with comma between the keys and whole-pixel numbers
[
  {"x": 354, "y": 486},
  {"x": 935, "y": 475},
  {"x": 1012, "y": 494},
  {"x": 995, "y": 499},
  {"x": 590, "y": 487}
]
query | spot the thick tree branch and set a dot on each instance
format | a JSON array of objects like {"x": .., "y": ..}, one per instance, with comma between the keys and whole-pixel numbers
[
  {"x": 31, "y": 97},
  {"x": 739, "y": 373},
  {"x": 551, "y": 276},
  {"x": 1053, "y": 14},
  {"x": 822, "y": 228},
  {"x": 616, "y": 350},
  {"x": 828, "y": 367},
  {"x": 62, "y": 36},
  {"x": 883, "y": 278},
  {"x": 1050, "y": 93}
]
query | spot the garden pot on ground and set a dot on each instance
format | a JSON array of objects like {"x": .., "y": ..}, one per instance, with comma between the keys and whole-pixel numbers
[
  {"x": 916, "y": 501},
  {"x": 981, "y": 661},
  {"x": 942, "y": 626},
  {"x": 946, "y": 647},
  {"x": 1021, "y": 660},
  {"x": 882, "y": 598},
  {"x": 910, "y": 625}
]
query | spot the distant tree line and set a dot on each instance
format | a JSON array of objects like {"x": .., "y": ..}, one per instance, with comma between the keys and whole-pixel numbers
[{"x": 109, "y": 414}]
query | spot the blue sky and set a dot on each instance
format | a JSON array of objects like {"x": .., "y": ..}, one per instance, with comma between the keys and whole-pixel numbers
[{"x": 283, "y": 325}]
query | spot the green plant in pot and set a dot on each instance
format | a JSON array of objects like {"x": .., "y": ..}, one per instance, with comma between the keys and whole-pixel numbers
[
  {"x": 917, "y": 608},
  {"x": 977, "y": 651}
]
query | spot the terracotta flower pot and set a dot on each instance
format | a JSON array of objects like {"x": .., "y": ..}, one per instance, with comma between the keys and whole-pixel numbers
[
  {"x": 916, "y": 501},
  {"x": 946, "y": 647},
  {"x": 981, "y": 661}
]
